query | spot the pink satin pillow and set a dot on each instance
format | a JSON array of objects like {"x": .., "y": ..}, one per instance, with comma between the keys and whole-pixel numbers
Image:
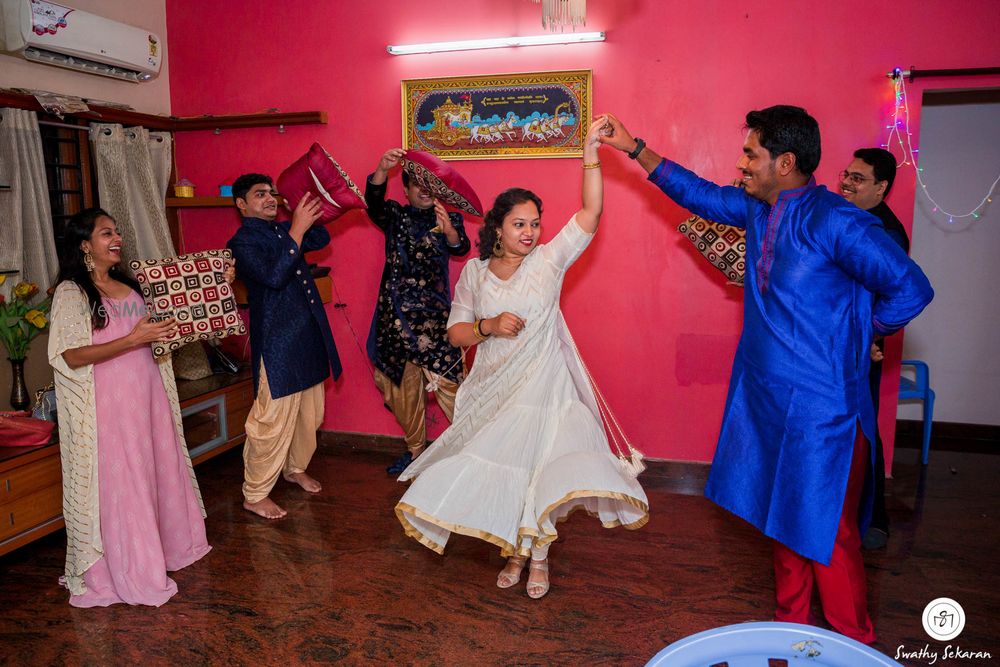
[
  {"x": 318, "y": 173},
  {"x": 443, "y": 181}
]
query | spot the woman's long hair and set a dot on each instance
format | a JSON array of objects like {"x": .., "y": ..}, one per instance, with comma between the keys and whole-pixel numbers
[
  {"x": 78, "y": 229},
  {"x": 505, "y": 201}
]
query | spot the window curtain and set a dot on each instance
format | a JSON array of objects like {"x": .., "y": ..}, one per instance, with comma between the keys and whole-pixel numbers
[
  {"x": 133, "y": 171},
  {"x": 27, "y": 242}
]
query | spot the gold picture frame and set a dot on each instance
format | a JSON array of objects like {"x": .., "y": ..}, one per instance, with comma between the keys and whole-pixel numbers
[{"x": 496, "y": 116}]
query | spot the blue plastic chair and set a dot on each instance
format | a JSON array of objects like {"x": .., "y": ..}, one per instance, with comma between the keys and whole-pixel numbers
[
  {"x": 920, "y": 388},
  {"x": 754, "y": 644}
]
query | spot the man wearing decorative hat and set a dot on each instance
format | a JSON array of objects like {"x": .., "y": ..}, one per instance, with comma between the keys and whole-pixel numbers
[{"x": 408, "y": 342}]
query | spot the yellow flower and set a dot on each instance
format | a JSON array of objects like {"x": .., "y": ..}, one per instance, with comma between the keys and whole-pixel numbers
[
  {"x": 25, "y": 290},
  {"x": 3, "y": 279},
  {"x": 37, "y": 318}
]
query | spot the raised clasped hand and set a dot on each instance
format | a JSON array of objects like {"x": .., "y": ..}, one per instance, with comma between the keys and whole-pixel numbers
[
  {"x": 615, "y": 135},
  {"x": 598, "y": 128}
]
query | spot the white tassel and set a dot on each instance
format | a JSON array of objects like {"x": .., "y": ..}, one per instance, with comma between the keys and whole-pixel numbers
[{"x": 632, "y": 465}]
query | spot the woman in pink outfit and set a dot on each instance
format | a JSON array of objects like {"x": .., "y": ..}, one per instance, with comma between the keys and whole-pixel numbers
[{"x": 131, "y": 503}]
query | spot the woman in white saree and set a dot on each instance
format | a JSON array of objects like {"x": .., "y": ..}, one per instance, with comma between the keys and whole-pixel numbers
[{"x": 526, "y": 446}]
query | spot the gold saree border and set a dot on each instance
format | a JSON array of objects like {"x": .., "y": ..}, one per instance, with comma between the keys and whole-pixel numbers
[{"x": 506, "y": 548}]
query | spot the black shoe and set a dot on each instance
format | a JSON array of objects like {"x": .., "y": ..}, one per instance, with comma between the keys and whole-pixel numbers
[
  {"x": 875, "y": 538},
  {"x": 400, "y": 464}
]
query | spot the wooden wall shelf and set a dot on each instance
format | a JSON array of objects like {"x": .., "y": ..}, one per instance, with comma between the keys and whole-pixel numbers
[
  {"x": 102, "y": 114},
  {"x": 205, "y": 202},
  {"x": 250, "y": 120}
]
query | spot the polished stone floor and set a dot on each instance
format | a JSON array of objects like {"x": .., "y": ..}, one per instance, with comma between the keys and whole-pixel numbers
[{"x": 338, "y": 582}]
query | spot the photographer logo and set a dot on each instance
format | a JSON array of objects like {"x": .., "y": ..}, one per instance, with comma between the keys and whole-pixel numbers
[{"x": 943, "y": 619}]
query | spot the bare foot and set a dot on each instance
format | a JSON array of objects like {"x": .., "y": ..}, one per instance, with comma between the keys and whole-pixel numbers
[
  {"x": 305, "y": 481},
  {"x": 266, "y": 508}
]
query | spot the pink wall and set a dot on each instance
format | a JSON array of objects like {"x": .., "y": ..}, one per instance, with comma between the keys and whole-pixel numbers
[{"x": 656, "y": 324}]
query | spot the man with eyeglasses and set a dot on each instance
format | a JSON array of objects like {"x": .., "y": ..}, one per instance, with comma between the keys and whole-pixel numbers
[
  {"x": 793, "y": 450},
  {"x": 866, "y": 182}
]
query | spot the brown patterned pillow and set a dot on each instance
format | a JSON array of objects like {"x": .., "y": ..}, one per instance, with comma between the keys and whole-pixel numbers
[
  {"x": 192, "y": 289},
  {"x": 722, "y": 245}
]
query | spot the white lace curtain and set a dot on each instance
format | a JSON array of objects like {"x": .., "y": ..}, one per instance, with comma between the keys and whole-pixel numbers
[
  {"x": 133, "y": 172},
  {"x": 26, "y": 239}
]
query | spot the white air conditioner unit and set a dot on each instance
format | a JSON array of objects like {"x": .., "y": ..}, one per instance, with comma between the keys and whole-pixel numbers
[{"x": 53, "y": 34}]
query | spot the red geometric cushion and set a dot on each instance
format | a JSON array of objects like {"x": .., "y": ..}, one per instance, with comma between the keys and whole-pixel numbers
[
  {"x": 193, "y": 290},
  {"x": 317, "y": 172},
  {"x": 443, "y": 181},
  {"x": 722, "y": 245}
]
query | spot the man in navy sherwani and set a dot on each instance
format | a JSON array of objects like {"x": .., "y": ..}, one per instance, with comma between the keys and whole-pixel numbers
[
  {"x": 794, "y": 446},
  {"x": 291, "y": 345}
]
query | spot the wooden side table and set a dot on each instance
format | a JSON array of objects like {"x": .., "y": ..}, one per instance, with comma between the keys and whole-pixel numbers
[{"x": 30, "y": 494}]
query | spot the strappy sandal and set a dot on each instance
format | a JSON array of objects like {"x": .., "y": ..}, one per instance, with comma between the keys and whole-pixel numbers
[
  {"x": 506, "y": 578},
  {"x": 537, "y": 589}
]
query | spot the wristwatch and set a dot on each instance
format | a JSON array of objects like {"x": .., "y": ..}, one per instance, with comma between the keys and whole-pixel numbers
[{"x": 639, "y": 145}]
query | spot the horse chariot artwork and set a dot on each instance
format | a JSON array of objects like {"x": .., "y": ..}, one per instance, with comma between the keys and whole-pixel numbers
[{"x": 540, "y": 114}]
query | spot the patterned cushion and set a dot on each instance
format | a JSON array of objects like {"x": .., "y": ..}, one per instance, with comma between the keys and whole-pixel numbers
[
  {"x": 318, "y": 173},
  {"x": 722, "y": 245},
  {"x": 443, "y": 181},
  {"x": 192, "y": 289}
]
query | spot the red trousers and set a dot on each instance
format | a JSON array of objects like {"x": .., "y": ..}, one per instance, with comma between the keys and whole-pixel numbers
[{"x": 841, "y": 584}]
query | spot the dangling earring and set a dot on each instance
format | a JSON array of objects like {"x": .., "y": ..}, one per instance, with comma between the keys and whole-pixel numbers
[
  {"x": 88, "y": 261},
  {"x": 498, "y": 248}
]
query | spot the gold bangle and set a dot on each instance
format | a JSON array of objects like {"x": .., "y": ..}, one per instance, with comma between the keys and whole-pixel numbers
[
  {"x": 477, "y": 330},
  {"x": 591, "y": 165}
]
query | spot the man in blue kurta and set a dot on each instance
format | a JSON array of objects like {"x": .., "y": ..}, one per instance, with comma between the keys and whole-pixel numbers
[
  {"x": 291, "y": 346},
  {"x": 793, "y": 449}
]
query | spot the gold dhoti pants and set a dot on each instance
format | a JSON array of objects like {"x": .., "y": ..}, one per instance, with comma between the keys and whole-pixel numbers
[
  {"x": 281, "y": 436},
  {"x": 408, "y": 401}
]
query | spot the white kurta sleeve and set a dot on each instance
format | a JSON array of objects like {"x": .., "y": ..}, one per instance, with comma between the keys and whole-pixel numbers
[
  {"x": 566, "y": 246},
  {"x": 463, "y": 308}
]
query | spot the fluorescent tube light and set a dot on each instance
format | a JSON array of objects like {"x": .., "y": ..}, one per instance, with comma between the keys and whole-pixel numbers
[{"x": 497, "y": 43}]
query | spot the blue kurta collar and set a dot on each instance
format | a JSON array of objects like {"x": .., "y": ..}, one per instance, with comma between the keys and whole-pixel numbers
[{"x": 799, "y": 191}]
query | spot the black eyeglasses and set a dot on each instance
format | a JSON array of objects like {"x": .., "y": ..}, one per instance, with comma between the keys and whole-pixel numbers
[{"x": 854, "y": 177}]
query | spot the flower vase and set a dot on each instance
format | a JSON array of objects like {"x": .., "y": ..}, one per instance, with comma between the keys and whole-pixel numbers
[{"x": 19, "y": 399}]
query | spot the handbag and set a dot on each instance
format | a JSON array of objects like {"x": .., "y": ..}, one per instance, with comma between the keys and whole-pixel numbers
[
  {"x": 18, "y": 429},
  {"x": 45, "y": 404},
  {"x": 191, "y": 362},
  {"x": 220, "y": 361}
]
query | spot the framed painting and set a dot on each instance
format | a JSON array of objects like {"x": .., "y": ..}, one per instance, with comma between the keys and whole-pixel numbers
[{"x": 538, "y": 114}]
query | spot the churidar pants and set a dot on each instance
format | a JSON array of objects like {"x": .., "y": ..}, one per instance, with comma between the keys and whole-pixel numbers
[
  {"x": 281, "y": 436},
  {"x": 841, "y": 584},
  {"x": 408, "y": 401}
]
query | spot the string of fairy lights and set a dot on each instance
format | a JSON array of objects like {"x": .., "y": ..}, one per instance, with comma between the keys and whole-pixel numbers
[{"x": 900, "y": 131}]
